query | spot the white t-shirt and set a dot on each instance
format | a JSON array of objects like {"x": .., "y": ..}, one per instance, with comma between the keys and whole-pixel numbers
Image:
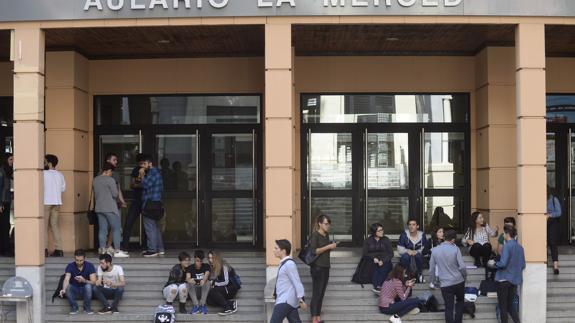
[
  {"x": 112, "y": 276},
  {"x": 54, "y": 186}
]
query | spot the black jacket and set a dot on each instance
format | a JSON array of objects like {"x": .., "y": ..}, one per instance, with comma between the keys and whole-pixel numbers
[{"x": 381, "y": 249}]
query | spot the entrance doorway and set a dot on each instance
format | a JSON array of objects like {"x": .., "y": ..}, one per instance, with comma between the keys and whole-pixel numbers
[
  {"x": 6, "y": 125},
  {"x": 385, "y": 158},
  {"x": 211, "y": 172}
]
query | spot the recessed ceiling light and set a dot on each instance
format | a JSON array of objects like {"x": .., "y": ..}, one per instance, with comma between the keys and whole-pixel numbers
[{"x": 164, "y": 41}]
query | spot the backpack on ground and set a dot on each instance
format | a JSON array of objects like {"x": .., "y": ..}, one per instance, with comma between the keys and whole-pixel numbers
[
  {"x": 514, "y": 305},
  {"x": 469, "y": 308},
  {"x": 165, "y": 314},
  {"x": 59, "y": 288},
  {"x": 235, "y": 278},
  {"x": 428, "y": 302},
  {"x": 488, "y": 288},
  {"x": 363, "y": 271}
]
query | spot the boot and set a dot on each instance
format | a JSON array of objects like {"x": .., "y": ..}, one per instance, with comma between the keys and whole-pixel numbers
[
  {"x": 57, "y": 253},
  {"x": 183, "y": 308}
]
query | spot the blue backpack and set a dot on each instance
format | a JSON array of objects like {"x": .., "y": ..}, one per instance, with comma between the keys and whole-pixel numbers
[{"x": 235, "y": 278}]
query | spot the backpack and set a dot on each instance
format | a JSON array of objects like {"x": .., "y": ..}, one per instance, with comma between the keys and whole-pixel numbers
[
  {"x": 487, "y": 287},
  {"x": 469, "y": 308},
  {"x": 165, "y": 314},
  {"x": 235, "y": 279},
  {"x": 514, "y": 304},
  {"x": 428, "y": 302},
  {"x": 59, "y": 288},
  {"x": 363, "y": 271}
]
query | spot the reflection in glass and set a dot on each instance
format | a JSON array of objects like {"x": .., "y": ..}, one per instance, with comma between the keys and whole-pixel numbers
[
  {"x": 387, "y": 161},
  {"x": 444, "y": 160},
  {"x": 232, "y": 220},
  {"x": 551, "y": 165},
  {"x": 339, "y": 210},
  {"x": 179, "y": 224},
  {"x": 177, "y": 161},
  {"x": 173, "y": 109},
  {"x": 385, "y": 108},
  {"x": 330, "y": 159},
  {"x": 232, "y": 162},
  {"x": 561, "y": 108},
  {"x": 392, "y": 212},
  {"x": 443, "y": 211}
]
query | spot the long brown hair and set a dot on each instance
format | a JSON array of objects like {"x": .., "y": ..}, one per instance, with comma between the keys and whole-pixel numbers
[
  {"x": 397, "y": 272},
  {"x": 320, "y": 220},
  {"x": 218, "y": 262}
]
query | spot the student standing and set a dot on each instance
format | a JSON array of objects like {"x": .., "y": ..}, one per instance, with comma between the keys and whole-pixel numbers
[
  {"x": 6, "y": 178},
  {"x": 153, "y": 187},
  {"x": 135, "y": 209},
  {"x": 553, "y": 216},
  {"x": 54, "y": 186},
  {"x": 451, "y": 274},
  {"x": 320, "y": 243},
  {"x": 289, "y": 292}
]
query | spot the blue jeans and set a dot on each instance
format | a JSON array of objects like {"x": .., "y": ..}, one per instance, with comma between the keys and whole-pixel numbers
[
  {"x": 113, "y": 220},
  {"x": 401, "y": 308},
  {"x": 380, "y": 273},
  {"x": 73, "y": 292},
  {"x": 103, "y": 294},
  {"x": 405, "y": 260},
  {"x": 284, "y": 310},
  {"x": 153, "y": 234}
]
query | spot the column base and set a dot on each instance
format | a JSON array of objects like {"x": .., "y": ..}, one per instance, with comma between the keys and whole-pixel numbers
[
  {"x": 534, "y": 293},
  {"x": 35, "y": 275}
]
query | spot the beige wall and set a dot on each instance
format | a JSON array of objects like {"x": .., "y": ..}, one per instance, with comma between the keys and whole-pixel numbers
[{"x": 6, "y": 79}]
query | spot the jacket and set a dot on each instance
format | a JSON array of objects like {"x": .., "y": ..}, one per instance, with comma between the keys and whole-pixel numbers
[
  {"x": 177, "y": 275},
  {"x": 405, "y": 243},
  {"x": 381, "y": 249},
  {"x": 511, "y": 264}
]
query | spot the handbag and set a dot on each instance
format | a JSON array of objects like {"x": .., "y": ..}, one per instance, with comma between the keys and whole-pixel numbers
[
  {"x": 91, "y": 214},
  {"x": 153, "y": 210},
  {"x": 307, "y": 254}
]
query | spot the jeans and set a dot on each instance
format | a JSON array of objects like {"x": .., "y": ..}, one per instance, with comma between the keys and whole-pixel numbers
[
  {"x": 401, "y": 308},
  {"x": 108, "y": 219},
  {"x": 5, "y": 248},
  {"x": 73, "y": 292},
  {"x": 103, "y": 294},
  {"x": 221, "y": 295},
  {"x": 451, "y": 294},
  {"x": 133, "y": 214},
  {"x": 380, "y": 273},
  {"x": 174, "y": 290},
  {"x": 506, "y": 291},
  {"x": 319, "y": 279},
  {"x": 51, "y": 215},
  {"x": 154, "y": 235},
  {"x": 405, "y": 261},
  {"x": 284, "y": 310},
  {"x": 204, "y": 290}
]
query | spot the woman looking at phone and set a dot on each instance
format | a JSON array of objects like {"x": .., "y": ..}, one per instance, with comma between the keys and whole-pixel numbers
[
  {"x": 394, "y": 288},
  {"x": 319, "y": 241}
]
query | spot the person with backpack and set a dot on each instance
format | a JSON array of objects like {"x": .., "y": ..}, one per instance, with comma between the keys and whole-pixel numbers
[
  {"x": 176, "y": 286},
  {"x": 509, "y": 274},
  {"x": 224, "y": 285},
  {"x": 319, "y": 269},
  {"x": 553, "y": 225},
  {"x": 79, "y": 279},
  {"x": 410, "y": 248},
  {"x": 392, "y": 289},
  {"x": 110, "y": 284},
  {"x": 378, "y": 248},
  {"x": 451, "y": 273},
  {"x": 54, "y": 186},
  {"x": 197, "y": 277},
  {"x": 289, "y": 291}
]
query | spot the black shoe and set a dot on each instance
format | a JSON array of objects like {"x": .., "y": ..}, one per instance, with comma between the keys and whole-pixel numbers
[
  {"x": 183, "y": 308},
  {"x": 46, "y": 254},
  {"x": 105, "y": 310},
  {"x": 555, "y": 271},
  {"x": 57, "y": 253},
  {"x": 150, "y": 254},
  {"x": 477, "y": 262},
  {"x": 169, "y": 303}
]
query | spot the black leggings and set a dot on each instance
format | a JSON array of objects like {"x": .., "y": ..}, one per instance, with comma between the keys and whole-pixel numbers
[
  {"x": 220, "y": 296},
  {"x": 319, "y": 279},
  {"x": 552, "y": 237},
  {"x": 5, "y": 245},
  {"x": 481, "y": 252}
]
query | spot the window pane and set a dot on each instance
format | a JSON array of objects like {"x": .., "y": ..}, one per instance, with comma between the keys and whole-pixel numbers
[
  {"x": 444, "y": 212},
  {"x": 179, "y": 224},
  {"x": 232, "y": 220},
  {"x": 232, "y": 162},
  {"x": 330, "y": 155},
  {"x": 142, "y": 110},
  {"x": 561, "y": 108},
  {"x": 387, "y": 161},
  {"x": 444, "y": 160},
  {"x": 551, "y": 160},
  {"x": 339, "y": 210},
  {"x": 392, "y": 212},
  {"x": 6, "y": 112},
  {"x": 386, "y": 108}
]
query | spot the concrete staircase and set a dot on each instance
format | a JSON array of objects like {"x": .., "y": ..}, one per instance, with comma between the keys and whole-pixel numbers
[
  {"x": 7, "y": 311},
  {"x": 145, "y": 280},
  {"x": 560, "y": 288}
]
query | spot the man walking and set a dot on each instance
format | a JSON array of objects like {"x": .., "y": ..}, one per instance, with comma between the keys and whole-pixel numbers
[
  {"x": 451, "y": 273},
  {"x": 153, "y": 186},
  {"x": 54, "y": 186},
  {"x": 110, "y": 284},
  {"x": 79, "y": 279},
  {"x": 289, "y": 291},
  {"x": 509, "y": 274}
]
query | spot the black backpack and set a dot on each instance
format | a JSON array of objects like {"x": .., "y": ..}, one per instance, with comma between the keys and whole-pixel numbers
[
  {"x": 235, "y": 279},
  {"x": 363, "y": 271},
  {"x": 59, "y": 288},
  {"x": 469, "y": 308}
]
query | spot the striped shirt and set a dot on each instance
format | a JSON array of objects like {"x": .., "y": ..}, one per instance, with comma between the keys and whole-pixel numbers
[
  {"x": 481, "y": 235},
  {"x": 390, "y": 290},
  {"x": 152, "y": 186}
]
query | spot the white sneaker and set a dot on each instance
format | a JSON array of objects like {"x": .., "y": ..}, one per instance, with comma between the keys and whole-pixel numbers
[
  {"x": 413, "y": 311},
  {"x": 121, "y": 254},
  {"x": 394, "y": 319},
  {"x": 110, "y": 251}
]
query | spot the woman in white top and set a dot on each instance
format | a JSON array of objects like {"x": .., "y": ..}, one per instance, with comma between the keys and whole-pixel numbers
[{"x": 477, "y": 238}]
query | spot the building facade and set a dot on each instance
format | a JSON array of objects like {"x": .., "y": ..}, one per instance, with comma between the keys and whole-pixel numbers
[{"x": 263, "y": 115}]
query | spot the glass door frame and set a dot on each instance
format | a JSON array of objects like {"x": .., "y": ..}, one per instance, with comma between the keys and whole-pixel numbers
[{"x": 149, "y": 132}]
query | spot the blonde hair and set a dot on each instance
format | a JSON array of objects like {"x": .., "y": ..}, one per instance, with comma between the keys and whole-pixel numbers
[{"x": 218, "y": 262}]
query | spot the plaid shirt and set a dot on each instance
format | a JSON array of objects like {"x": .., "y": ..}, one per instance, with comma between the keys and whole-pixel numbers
[{"x": 152, "y": 186}]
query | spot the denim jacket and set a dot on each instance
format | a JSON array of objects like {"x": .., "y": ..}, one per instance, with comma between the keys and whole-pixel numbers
[{"x": 510, "y": 266}]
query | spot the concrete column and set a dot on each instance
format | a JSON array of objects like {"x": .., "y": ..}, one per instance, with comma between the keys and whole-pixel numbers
[
  {"x": 29, "y": 161},
  {"x": 67, "y": 120},
  {"x": 531, "y": 163},
  {"x": 495, "y": 134},
  {"x": 279, "y": 139}
]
